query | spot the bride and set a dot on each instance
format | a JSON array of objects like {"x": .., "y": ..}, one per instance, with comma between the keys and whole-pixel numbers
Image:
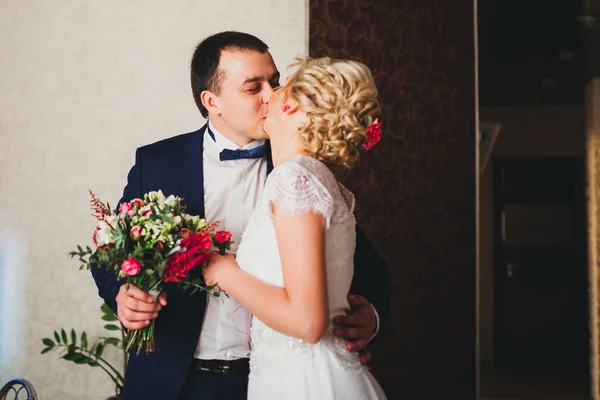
[{"x": 294, "y": 265}]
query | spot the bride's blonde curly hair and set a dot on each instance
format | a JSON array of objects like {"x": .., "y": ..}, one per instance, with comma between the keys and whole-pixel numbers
[{"x": 338, "y": 96}]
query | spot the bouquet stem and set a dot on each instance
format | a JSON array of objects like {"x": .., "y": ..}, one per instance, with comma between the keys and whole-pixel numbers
[
  {"x": 144, "y": 338},
  {"x": 141, "y": 338}
]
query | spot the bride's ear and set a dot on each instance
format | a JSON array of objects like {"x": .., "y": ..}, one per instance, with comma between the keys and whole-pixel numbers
[{"x": 290, "y": 106}]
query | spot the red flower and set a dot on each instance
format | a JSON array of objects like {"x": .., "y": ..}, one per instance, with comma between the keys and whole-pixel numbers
[
  {"x": 131, "y": 266},
  {"x": 159, "y": 245},
  {"x": 100, "y": 210},
  {"x": 197, "y": 241},
  {"x": 198, "y": 249},
  {"x": 136, "y": 232},
  {"x": 139, "y": 203},
  {"x": 373, "y": 134},
  {"x": 222, "y": 237},
  {"x": 185, "y": 232}
]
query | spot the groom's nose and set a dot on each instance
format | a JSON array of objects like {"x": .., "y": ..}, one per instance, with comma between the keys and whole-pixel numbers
[{"x": 266, "y": 93}]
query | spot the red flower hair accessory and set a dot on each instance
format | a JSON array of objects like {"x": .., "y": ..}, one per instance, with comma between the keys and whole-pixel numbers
[{"x": 373, "y": 133}]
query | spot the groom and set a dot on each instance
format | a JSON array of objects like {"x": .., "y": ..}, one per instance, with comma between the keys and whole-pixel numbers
[{"x": 201, "y": 343}]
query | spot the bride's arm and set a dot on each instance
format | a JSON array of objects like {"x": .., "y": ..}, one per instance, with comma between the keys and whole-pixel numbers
[{"x": 300, "y": 308}]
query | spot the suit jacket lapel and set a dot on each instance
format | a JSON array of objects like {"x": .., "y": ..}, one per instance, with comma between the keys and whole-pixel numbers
[{"x": 192, "y": 174}]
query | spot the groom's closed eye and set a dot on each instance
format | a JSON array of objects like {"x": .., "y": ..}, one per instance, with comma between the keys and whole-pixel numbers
[{"x": 254, "y": 90}]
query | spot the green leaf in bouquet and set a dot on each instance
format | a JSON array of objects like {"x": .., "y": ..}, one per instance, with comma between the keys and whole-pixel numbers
[
  {"x": 119, "y": 237},
  {"x": 63, "y": 335},
  {"x": 73, "y": 336},
  {"x": 48, "y": 342},
  {"x": 84, "y": 342},
  {"x": 160, "y": 269},
  {"x": 112, "y": 327}
]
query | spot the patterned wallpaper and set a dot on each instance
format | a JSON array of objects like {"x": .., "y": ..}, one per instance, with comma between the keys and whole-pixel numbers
[
  {"x": 416, "y": 190},
  {"x": 82, "y": 84}
]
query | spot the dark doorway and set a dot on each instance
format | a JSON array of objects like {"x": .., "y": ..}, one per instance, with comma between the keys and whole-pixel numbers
[{"x": 541, "y": 281}]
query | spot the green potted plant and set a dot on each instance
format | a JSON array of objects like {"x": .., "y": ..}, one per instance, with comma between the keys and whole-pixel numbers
[{"x": 77, "y": 349}]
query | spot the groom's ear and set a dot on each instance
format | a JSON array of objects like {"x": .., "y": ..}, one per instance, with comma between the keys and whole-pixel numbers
[{"x": 210, "y": 102}]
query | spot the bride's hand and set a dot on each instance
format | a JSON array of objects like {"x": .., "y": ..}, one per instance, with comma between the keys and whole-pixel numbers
[{"x": 214, "y": 270}]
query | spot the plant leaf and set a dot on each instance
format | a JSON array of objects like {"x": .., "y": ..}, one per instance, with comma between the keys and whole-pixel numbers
[
  {"x": 56, "y": 337},
  {"x": 112, "y": 340},
  {"x": 84, "y": 342},
  {"x": 93, "y": 349},
  {"x": 48, "y": 342},
  {"x": 63, "y": 334},
  {"x": 112, "y": 327},
  {"x": 110, "y": 318},
  {"x": 47, "y": 349},
  {"x": 99, "y": 350},
  {"x": 83, "y": 359},
  {"x": 73, "y": 336},
  {"x": 106, "y": 309},
  {"x": 70, "y": 356}
]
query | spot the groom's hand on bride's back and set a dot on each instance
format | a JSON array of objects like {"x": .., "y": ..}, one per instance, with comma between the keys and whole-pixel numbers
[
  {"x": 357, "y": 327},
  {"x": 136, "y": 308}
]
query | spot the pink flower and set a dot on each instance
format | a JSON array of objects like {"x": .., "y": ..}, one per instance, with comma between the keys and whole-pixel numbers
[
  {"x": 125, "y": 208},
  {"x": 131, "y": 266},
  {"x": 159, "y": 245},
  {"x": 136, "y": 232},
  {"x": 147, "y": 213},
  {"x": 139, "y": 203},
  {"x": 373, "y": 134},
  {"x": 222, "y": 237}
]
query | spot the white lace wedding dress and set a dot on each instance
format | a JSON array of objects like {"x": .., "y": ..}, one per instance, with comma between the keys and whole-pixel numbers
[{"x": 283, "y": 367}]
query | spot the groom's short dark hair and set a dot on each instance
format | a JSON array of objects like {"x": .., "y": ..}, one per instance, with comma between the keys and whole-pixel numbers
[{"x": 205, "y": 74}]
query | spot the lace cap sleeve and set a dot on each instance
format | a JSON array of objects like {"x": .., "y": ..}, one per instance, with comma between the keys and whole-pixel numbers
[{"x": 299, "y": 191}]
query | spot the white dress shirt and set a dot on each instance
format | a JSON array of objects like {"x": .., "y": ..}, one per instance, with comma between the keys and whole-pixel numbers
[{"x": 231, "y": 190}]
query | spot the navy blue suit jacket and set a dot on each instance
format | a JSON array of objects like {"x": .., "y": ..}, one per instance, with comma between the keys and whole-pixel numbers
[{"x": 174, "y": 166}]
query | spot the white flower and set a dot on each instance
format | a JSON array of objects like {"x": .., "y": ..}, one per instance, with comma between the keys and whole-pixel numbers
[
  {"x": 177, "y": 219},
  {"x": 170, "y": 200},
  {"x": 157, "y": 197},
  {"x": 103, "y": 234},
  {"x": 113, "y": 220}
]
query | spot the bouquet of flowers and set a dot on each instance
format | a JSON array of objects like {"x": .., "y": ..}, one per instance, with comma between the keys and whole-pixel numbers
[{"x": 150, "y": 242}]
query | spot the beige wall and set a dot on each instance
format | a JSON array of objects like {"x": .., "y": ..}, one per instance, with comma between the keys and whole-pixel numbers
[
  {"x": 82, "y": 84},
  {"x": 526, "y": 131}
]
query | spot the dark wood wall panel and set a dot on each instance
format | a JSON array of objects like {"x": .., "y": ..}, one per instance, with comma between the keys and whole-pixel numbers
[{"x": 416, "y": 189}]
